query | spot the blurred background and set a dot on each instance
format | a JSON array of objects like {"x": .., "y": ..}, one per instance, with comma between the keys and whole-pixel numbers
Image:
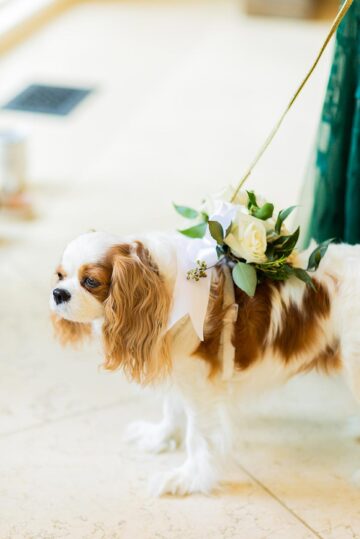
[
  {"x": 181, "y": 95},
  {"x": 109, "y": 111}
]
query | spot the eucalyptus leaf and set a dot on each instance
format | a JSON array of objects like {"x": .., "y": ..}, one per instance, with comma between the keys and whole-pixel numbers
[
  {"x": 277, "y": 273},
  {"x": 252, "y": 199},
  {"x": 288, "y": 245},
  {"x": 270, "y": 252},
  {"x": 265, "y": 212},
  {"x": 282, "y": 240},
  {"x": 244, "y": 276},
  {"x": 216, "y": 231},
  {"x": 197, "y": 231},
  {"x": 283, "y": 214},
  {"x": 184, "y": 211},
  {"x": 317, "y": 255},
  {"x": 305, "y": 277}
]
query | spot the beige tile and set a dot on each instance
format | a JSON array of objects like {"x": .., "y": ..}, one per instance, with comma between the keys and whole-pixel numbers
[
  {"x": 296, "y": 444},
  {"x": 42, "y": 382},
  {"x": 76, "y": 479}
]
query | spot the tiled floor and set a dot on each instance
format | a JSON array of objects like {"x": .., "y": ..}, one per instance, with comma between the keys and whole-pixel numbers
[{"x": 185, "y": 93}]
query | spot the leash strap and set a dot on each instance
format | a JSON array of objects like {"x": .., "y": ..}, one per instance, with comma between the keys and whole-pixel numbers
[
  {"x": 227, "y": 348},
  {"x": 335, "y": 25}
]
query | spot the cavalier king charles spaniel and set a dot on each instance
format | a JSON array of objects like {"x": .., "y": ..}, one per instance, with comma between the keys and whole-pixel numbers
[{"x": 125, "y": 288}]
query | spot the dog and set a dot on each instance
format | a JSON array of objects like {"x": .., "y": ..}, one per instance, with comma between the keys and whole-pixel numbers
[{"x": 125, "y": 288}]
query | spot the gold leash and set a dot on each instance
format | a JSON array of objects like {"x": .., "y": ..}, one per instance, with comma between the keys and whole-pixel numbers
[{"x": 342, "y": 12}]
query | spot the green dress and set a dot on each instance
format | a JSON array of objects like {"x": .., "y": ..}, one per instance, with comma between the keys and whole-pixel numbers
[{"x": 334, "y": 181}]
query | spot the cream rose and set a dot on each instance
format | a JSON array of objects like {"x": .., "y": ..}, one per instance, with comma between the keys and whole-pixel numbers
[
  {"x": 247, "y": 238},
  {"x": 210, "y": 205}
]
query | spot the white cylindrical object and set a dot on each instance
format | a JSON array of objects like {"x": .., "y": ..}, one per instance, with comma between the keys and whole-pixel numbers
[{"x": 12, "y": 161}]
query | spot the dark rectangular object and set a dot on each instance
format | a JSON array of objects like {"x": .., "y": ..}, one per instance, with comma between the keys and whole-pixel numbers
[{"x": 44, "y": 99}]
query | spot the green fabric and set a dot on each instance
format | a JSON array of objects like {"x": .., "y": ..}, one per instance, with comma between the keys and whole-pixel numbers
[{"x": 336, "y": 178}]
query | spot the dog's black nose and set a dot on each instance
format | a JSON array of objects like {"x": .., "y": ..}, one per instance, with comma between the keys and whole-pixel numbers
[{"x": 61, "y": 295}]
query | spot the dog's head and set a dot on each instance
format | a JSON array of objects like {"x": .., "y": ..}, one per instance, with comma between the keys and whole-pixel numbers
[{"x": 100, "y": 278}]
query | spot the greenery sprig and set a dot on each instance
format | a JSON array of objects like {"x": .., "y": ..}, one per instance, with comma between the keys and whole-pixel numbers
[
  {"x": 255, "y": 244},
  {"x": 277, "y": 256}
]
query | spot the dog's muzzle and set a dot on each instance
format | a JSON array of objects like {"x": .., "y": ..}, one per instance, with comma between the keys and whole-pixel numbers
[{"x": 61, "y": 295}]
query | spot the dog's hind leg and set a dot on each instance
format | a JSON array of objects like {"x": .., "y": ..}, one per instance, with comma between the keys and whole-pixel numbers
[
  {"x": 350, "y": 353},
  {"x": 351, "y": 361}
]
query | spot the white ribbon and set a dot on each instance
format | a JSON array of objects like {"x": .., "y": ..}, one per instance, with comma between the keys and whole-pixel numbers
[{"x": 192, "y": 297}]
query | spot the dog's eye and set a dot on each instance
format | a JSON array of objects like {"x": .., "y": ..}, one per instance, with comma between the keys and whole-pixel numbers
[
  {"x": 59, "y": 276},
  {"x": 90, "y": 283}
]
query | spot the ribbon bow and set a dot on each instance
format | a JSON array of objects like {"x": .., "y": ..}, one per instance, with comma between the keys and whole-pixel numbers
[{"x": 192, "y": 297}]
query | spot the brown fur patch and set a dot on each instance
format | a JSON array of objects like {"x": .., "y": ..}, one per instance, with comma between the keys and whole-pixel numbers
[
  {"x": 209, "y": 349},
  {"x": 101, "y": 272},
  {"x": 327, "y": 361},
  {"x": 298, "y": 333},
  {"x": 69, "y": 332},
  {"x": 136, "y": 311},
  {"x": 252, "y": 325},
  {"x": 250, "y": 329},
  {"x": 300, "y": 324}
]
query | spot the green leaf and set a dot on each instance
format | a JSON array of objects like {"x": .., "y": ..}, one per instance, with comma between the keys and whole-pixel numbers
[
  {"x": 270, "y": 252},
  {"x": 280, "y": 273},
  {"x": 245, "y": 278},
  {"x": 252, "y": 199},
  {"x": 283, "y": 214},
  {"x": 216, "y": 231},
  {"x": 265, "y": 212},
  {"x": 286, "y": 244},
  {"x": 197, "y": 231},
  {"x": 317, "y": 255},
  {"x": 304, "y": 276},
  {"x": 186, "y": 212},
  {"x": 286, "y": 271}
]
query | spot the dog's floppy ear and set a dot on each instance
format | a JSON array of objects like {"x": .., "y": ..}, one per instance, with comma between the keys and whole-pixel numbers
[
  {"x": 70, "y": 332},
  {"x": 136, "y": 315}
]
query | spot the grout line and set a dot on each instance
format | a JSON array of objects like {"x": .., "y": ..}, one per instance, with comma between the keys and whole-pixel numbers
[
  {"x": 96, "y": 409},
  {"x": 79, "y": 413},
  {"x": 283, "y": 504}
]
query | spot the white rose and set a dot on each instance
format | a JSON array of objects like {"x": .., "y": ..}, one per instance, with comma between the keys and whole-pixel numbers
[
  {"x": 211, "y": 204},
  {"x": 270, "y": 224},
  {"x": 247, "y": 238}
]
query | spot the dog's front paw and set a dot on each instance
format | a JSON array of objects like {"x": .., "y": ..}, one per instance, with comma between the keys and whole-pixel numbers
[
  {"x": 180, "y": 482},
  {"x": 151, "y": 437}
]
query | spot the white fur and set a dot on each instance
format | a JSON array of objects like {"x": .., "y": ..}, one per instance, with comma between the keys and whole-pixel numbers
[
  {"x": 198, "y": 410},
  {"x": 86, "y": 249}
]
